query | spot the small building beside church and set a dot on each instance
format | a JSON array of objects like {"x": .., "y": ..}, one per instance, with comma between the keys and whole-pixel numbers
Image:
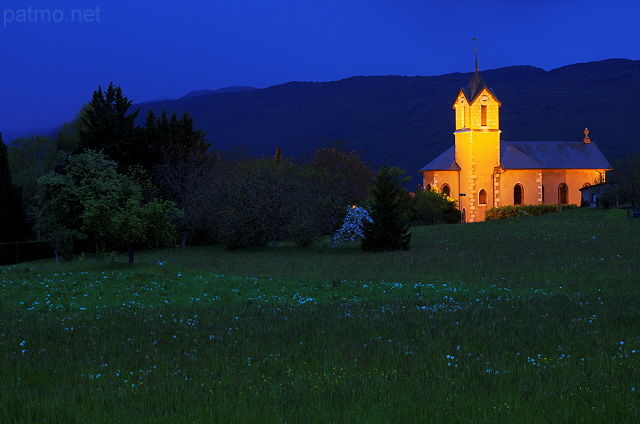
[
  {"x": 480, "y": 171},
  {"x": 602, "y": 195}
]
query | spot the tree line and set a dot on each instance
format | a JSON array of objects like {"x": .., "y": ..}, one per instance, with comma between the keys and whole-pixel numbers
[{"x": 105, "y": 183}]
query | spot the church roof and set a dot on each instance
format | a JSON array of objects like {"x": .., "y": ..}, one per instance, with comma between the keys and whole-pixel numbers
[
  {"x": 551, "y": 155},
  {"x": 475, "y": 86},
  {"x": 534, "y": 155},
  {"x": 445, "y": 162}
]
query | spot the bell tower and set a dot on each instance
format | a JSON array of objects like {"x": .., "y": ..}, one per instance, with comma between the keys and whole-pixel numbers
[{"x": 477, "y": 144}]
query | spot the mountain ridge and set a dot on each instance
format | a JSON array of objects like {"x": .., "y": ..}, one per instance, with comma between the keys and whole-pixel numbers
[
  {"x": 408, "y": 121},
  {"x": 206, "y": 92}
]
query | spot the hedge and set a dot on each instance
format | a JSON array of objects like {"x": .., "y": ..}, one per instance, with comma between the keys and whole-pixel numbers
[{"x": 504, "y": 212}]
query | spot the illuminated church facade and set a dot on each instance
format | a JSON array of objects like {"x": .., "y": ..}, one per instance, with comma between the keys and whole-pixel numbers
[{"x": 480, "y": 171}]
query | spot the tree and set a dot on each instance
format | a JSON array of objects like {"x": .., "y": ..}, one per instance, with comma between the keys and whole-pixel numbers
[
  {"x": 352, "y": 226},
  {"x": 342, "y": 179},
  {"x": 29, "y": 159},
  {"x": 626, "y": 174},
  {"x": 108, "y": 126},
  {"x": 389, "y": 212},
  {"x": 128, "y": 223},
  {"x": 12, "y": 217},
  {"x": 432, "y": 207},
  {"x": 183, "y": 164},
  {"x": 63, "y": 194},
  {"x": 276, "y": 198},
  {"x": 169, "y": 133},
  {"x": 352, "y": 177},
  {"x": 87, "y": 198},
  {"x": 257, "y": 203},
  {"x": 68, "y": 137},
  {"x": 271, "y": 200}
]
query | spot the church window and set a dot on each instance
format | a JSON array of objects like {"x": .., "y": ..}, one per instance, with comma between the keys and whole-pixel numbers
[
  {"x": 562, "y": 193},
  {"x": 428, "y": 187},
  {"x": 482, "y": 197},
  {"x": 483, "y": 115},
  {"x": 518, "y": 194},
  {"x": 446, "y": 189},
  {"x": 542, "y": 193}
]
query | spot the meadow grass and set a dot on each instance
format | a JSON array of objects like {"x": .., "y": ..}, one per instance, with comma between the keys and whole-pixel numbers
[{"x": 528, "y": 320}]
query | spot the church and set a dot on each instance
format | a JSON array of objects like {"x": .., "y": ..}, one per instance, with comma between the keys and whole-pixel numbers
[{"x": 481, "y": 171}]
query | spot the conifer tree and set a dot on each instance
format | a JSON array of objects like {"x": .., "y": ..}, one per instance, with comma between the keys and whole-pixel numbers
[
  {"x": 110, "y": 128},
  {"x": 389, "y": 225},
  {"x": 164, "y": 134},
  {"x": 12, "y": 217}
]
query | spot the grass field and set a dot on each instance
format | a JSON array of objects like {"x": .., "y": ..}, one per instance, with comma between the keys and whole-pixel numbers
[{"x": 528, "y": 320}]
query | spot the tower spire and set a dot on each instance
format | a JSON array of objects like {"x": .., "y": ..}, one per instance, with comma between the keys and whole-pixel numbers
[{"x": 475, "y": 51}]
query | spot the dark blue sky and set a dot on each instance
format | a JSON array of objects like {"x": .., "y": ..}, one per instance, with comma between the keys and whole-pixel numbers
[{"x": 55, "y": 53}]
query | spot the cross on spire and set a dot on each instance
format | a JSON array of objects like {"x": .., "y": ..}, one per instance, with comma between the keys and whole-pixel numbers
[{"x": 475, "y": 51}]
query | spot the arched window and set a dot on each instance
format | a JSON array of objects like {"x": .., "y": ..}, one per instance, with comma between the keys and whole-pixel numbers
[
  {"x": 446, "y": 189},
  {"x": 428, "y": 187},
  {"x": 542, "y": 193},
  {"x": 482, "y": 197},
  {"x": 563, "y": 192},
  {"x": 483, "y": 111},
  {"x": 585, "y": 185},
  {"x": 518, "y": 194},
  {"x": 463, "y": 111}
]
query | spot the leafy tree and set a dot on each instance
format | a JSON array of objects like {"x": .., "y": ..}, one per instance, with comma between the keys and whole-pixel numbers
[
  {"x": 274, "y": 199},
  {"x": 63, "y": 194},
  {"x": 68, "y": 137},
  {"x": 12, "y": 217},
  {"x": 257, "y": 196},
  {"x": 183, "y": 164},
  {"x": 271, "y": 200},
  {"x": 207, "y": 218},
  {"x": 87, "y": 198},
  {"x": 626, "y": 174},
  {"x": 310, "y": 208},
  {"x": 53, "y": 222},
  {"x": 352, "y": 177},
  {"x": 432, "y": 207},
  {"x": 29, "y": 159},
  {"x": 108, "y": 126},
  {"x": 341, "y": 179},
  {"x": 129, "y": 223},
  {"x": 352, "y": 227},
  {"x": 388, "y": 209}
]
